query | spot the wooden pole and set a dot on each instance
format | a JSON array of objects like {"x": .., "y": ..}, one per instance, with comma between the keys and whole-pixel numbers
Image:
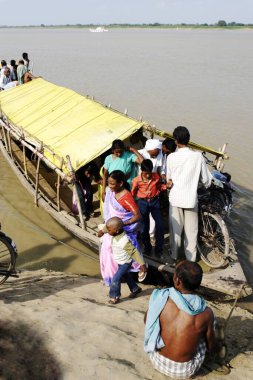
[
  {"x": 76, "y": 194},
  {"x": 58, "y": 189},
  {"x": 9, "y": 139},
  {"x": 219, "y": 161},
  {"x": 5, "y": 139},
  {"x": 24, "y": 158},
  {"x": 58, "y": 193},
  {"x": 37, "y": 182}
]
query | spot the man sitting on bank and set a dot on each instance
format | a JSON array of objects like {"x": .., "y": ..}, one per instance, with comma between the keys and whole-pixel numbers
[{"x": 179, "y": 326}]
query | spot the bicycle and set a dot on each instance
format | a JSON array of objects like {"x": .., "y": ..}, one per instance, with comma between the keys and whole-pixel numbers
[
  {"x": 213, "y": 236},
  {"x": 8, "y": 257}
]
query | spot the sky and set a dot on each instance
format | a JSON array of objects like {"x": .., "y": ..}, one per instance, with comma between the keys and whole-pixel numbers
[{"x": 36, "y": 12}]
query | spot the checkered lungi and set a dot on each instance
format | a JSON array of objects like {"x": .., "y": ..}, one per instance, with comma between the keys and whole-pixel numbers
[{"x": 179, "y": 370}]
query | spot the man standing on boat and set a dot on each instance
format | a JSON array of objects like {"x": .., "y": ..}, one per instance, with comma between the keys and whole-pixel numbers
[
  {"x": 179, "y": 326},
  {"x": 185, "y": 168}
]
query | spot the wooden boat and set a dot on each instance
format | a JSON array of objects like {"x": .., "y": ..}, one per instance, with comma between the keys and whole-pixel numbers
[
  {"x": 48, "y": 132},
  {"x": 99, "y": 29}
]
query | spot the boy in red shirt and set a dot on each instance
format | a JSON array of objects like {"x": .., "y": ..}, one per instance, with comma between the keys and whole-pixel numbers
[{"x": 146, "y": 188}]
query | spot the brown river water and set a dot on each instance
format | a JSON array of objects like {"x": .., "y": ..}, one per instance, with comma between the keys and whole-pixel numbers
[{"x": 202, "y": 79}]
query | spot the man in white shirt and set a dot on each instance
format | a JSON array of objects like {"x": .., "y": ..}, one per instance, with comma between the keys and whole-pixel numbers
[
  {"x": 5, "y": 77},
  {"x": 185, "y": 168},
  {"x": 153, "y": 152},
  {"x": 5, "y": 80}
]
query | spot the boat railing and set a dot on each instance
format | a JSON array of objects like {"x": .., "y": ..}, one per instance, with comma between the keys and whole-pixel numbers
[
  {"x": 220, "y": 155},
  {"x": 37, "y": 150}
]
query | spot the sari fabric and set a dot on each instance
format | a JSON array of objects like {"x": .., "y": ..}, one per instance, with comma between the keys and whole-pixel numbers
[{"x": 107, "y": 264}]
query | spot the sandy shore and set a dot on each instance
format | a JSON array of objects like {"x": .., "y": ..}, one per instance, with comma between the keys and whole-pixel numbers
[{"x": 58, "y": 326}]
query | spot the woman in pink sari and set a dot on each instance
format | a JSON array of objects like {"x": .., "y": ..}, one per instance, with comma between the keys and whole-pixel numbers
[{"x": 118, "y": 202}]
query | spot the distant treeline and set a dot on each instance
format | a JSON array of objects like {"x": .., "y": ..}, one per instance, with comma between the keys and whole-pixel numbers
[{"x": 219, "y": 24}]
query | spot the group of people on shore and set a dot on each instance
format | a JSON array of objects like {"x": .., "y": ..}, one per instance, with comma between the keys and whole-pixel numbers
[
  {"x": 133, "y": 182},
  {"x": 179, "y": 326},
  {"x": 134, "y": 195},
  {"x": 15, "y": 73}
]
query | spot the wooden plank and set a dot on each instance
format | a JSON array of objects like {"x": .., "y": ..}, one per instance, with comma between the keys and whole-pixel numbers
[{"x": 228, "y": 280}]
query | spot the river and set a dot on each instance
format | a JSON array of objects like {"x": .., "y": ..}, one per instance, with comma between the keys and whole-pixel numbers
[{"x": 202, "y": 79}]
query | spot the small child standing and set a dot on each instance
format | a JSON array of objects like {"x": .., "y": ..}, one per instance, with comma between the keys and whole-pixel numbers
[
  {"x": 146, "y": 188},
  {"x": 123, "y": 252}
]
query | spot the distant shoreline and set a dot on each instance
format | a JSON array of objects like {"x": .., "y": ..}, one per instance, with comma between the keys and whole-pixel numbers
[{"x": 229, "y": 26}]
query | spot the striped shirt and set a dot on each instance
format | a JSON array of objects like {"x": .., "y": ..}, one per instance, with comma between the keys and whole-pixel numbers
[{"x": 186, "y": 168}]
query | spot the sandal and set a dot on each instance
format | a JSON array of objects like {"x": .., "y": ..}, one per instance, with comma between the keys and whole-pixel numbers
[
  {"x": 113, "y": 301},
  {"x": 142, "y": 276}
]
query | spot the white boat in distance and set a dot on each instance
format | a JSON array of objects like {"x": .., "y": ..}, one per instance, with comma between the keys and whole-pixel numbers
[{"x": 99, "y": 29}]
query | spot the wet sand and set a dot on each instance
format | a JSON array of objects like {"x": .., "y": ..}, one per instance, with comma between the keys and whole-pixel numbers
[{"x": 56, "y": 325}]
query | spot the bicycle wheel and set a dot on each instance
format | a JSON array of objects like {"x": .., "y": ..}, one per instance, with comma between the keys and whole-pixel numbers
[
  {"x": 7, "y": 258},
  {"x": 213, "y": 240}
]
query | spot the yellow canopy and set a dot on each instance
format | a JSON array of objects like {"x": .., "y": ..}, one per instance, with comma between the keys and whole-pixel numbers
[{"x": 66, "y": 122}]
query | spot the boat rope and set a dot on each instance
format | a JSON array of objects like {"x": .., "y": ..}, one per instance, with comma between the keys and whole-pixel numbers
[
  {"x": 221, "y": 330},
  {"x": 233, "y": 307},
  {"x": 42, "y": 232},
  {"x": 72, "y": 248}
]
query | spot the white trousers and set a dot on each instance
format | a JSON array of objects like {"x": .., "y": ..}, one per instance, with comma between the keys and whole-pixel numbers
[
  {"x": 187, "y": 219},
  {"x": 151, "y": 226}
]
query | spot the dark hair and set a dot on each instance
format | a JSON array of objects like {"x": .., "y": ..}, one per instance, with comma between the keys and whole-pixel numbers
[
  {"x": 3, "y": 63},
  {"x": 12, "y": 62},
  {"x": 190, "y": 273},
  {"x": 21, "y": 62},
  {"x": 25, "y": 55},
  {"x": 170, "y": 145},
  {"x": 118, "y": 144},
  {"x": 89, "y": 168},
  {"x": 147, "y": 166},
  {"x": 119, "y": 176},
  {"x": 181, "y": 135}
]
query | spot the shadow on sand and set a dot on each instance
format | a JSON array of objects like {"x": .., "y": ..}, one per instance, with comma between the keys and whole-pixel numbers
[
  {"x": 40, "y": 285},
  {"x": 24, "y": 354}
]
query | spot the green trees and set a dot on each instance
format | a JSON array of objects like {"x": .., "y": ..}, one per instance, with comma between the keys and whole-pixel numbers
[{"x": 222, "y": 23}]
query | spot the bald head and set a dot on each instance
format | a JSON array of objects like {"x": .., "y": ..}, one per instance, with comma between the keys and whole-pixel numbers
[{"x": 114, "y": 225}]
